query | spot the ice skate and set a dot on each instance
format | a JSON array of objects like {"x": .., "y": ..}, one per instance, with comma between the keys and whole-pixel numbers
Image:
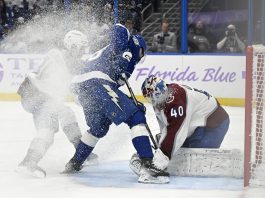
[
  {"x": 150, "y": 174},
  {"x": 72, "y": 167},
  {"x": 135, "y": 164},
  {"x": 30, "y": 169}
]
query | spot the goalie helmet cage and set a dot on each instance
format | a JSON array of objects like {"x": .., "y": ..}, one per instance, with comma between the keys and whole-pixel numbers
[{"x": 254, "y": 162}]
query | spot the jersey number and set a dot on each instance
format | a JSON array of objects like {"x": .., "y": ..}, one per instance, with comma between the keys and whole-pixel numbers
[{"x": 177, "y": 112}]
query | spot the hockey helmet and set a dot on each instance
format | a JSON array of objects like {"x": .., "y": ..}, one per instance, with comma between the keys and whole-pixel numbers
[
  {"x": 139, "y": 47},
  {"x": 142, "y": 43},
  {"x": 154, "y": 89},
  {"x": 75, "y": 40}
]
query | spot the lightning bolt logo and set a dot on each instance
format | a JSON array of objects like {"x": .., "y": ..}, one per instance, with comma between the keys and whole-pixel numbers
[{"x": 113, "y": 95}]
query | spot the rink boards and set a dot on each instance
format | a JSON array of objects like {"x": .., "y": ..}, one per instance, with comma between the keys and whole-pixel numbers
[{"x": 223, "y": 76}]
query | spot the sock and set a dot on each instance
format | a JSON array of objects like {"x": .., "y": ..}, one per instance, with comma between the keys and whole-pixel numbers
[
  {"x": 143, "y": 146},
  {"x": 82, "y": 152}
]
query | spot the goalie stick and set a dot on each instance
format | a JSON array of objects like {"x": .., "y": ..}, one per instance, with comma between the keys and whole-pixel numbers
[{"x": 136, "y": 103}]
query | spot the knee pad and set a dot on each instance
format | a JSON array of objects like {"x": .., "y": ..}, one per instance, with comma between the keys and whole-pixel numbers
[{"x": 136, "y": 119}]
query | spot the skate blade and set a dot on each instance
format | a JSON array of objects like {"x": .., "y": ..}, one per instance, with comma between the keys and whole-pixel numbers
[
  {"x": 33, "y": 173},
  {"x": 154, "y": 180},
  {"x": 68, "y": 172}
]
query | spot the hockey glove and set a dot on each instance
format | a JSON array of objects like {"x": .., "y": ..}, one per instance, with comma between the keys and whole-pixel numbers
[
  {"x": 141, "y": 106},
  {"x": 121, "y": 81}
]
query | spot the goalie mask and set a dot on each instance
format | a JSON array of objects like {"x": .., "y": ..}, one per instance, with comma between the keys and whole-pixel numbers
[
  {"x": 155, "y": 90},
  {"x": 75, "y": 42}
]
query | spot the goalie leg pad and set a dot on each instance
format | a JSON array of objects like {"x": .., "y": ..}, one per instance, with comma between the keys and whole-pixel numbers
[{"x": 207, "y": 163}]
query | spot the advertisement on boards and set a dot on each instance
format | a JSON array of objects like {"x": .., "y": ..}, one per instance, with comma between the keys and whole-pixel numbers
[
  {"x": 14, "y": 68},
  {"x": 221, "y": 76}
]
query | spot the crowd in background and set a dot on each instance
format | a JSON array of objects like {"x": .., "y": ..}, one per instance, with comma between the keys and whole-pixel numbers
[
  {"x": 18, "y": 13},
  {"x": 91, "y": 16},
  {"x": 200, "y": 39}
]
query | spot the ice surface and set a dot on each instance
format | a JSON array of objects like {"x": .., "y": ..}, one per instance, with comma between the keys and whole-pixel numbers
[{"x": 111, "y": 176}]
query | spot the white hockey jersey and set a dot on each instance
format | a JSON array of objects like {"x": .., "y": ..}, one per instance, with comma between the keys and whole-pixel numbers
[
  {"x": 53, "y": 77},
  {"x": 185, "y": 109}
]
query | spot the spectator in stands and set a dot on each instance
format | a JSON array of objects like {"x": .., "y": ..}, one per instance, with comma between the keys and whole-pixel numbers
[
  {"x": 198, "y": 39},
  {"x": 165, "y": 41},
  {"x": 231, "y": 42},
  {"x": 1, "y": 33},
  {"x": 10, "y": 15},
  {"x": 3, "y": 18},
  {"x": 156, "y": 5},
  {"x": 126, "y": 19},
  {"x": 133, "y": 8},
  {"x": 257, "y": 32},
  {"x": 97, "y": 10}
]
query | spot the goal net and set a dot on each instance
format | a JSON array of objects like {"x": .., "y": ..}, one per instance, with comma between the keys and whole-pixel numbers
[{"x": 254, "y": 162}]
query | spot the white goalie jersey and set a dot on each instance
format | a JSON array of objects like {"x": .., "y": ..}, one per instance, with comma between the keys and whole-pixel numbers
[{"x": 185, "y": 109}]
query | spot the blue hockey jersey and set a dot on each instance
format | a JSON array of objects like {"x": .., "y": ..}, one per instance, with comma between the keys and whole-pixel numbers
[{"x": 120, "y": 56}]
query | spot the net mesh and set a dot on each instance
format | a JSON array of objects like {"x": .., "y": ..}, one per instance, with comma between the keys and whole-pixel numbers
[{"x": 257, "y": 162}]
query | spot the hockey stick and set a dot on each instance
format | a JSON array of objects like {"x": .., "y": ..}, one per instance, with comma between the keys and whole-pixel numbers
[{"x": 136, "y": 103}]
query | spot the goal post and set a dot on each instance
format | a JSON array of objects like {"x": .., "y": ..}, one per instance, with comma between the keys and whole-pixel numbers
[{"x": 254, "y": 152}]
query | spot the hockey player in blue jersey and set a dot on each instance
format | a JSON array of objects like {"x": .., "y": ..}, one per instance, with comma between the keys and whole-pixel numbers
[{"x": 103, "y": 103}]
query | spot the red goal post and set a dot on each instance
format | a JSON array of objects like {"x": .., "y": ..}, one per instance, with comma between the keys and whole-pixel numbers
[{"x": 254, "y": 161}]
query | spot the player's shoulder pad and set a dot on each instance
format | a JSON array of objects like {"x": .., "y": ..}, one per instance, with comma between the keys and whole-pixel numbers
[
  {"x": 127, "y": 55},
  {"x": 120, "y": 30},
  {"x": 55, "y": 53}
]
